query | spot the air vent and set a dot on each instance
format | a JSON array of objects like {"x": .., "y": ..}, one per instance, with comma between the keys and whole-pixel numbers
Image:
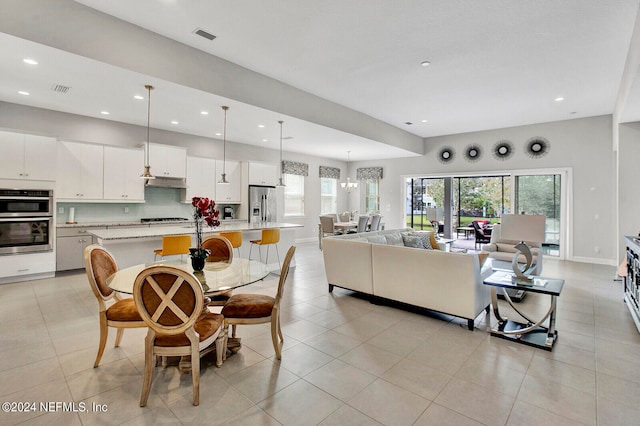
[
  {"x": 286, "y": 138},
  {"x": 205, "y": 34},
  {"x": 59, "y": 88}
]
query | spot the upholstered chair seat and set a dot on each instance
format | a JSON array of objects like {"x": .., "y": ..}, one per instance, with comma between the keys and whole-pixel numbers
[
  {"x": 123, "y": 310},
  {"x": 206, "y": 326},
  {"x": 249, "y": 306}
]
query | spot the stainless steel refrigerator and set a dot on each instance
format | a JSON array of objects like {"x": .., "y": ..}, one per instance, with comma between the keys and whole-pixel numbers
[{"x": 262, "y": 204}]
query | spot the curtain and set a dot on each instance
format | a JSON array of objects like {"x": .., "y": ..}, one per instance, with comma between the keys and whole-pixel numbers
[
  {"x": 329, "y": 172},
  {"x": 369, "y": 173},
  {"x": 295, "y": 168}
]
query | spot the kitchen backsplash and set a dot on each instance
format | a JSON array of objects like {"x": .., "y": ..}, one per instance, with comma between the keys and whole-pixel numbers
[{"x": 159, "y": 202}]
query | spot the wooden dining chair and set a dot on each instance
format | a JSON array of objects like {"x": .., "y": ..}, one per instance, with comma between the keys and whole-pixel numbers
[
  {"x": 268, "y": 237},
  {"x": 99, "y": 265},
  {"x": 221, "y": 252},
  {"x": 171, "y": 302},
  {"x": 259, "y": 309},
  {"x": 173, "y": 245}
]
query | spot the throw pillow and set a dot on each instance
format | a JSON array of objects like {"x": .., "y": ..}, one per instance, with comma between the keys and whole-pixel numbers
[
  {"x": 412, "y": 241},
  {"x": 434, "y": 243},
  {"x": 424, "y": 237},
  {"x": 377, "y": 239},
  {"x": 394, "y": 239}
]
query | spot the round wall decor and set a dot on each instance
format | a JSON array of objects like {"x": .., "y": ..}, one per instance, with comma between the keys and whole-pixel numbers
[
  {"x": 503, "y": 150},
  {"x": 446, "y": 155},
  {"x": 472, "y": 153},
  {"x": 537, "y": 147}
]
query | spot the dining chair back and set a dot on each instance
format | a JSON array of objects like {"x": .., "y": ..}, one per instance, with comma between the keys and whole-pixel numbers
[
  {"x": 171, "y": 303},
  {"x": 344, "y": 217},
  {"x": 375, "y": 222},
  {"x": 99, "y": 265},
  {"x": 268, "y": 237},
  {"x": 235, "y": 238},
  {"x": 362, "y": 223},
  {"x": 259, "y": 308},
  {"x": 173, "y": 245},
  {"x": 220, "y": 249}
]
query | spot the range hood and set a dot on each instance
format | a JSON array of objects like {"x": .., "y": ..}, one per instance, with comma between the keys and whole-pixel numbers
[{"x": 165, "y": 182}]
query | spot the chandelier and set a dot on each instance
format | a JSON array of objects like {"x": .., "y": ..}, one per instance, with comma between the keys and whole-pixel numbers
[{"x": 348, "y": 185}]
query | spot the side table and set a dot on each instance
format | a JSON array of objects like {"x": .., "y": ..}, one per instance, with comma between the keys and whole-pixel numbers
[{"x": 532, "y": 333}]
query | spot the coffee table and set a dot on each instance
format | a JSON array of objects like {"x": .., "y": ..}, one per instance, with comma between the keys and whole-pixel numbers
[{"x": 533, "y": 332}]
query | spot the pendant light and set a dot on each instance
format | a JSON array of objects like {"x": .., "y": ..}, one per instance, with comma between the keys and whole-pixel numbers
[
  {"x": 348, "y": 185},
  {"x": 223, "y": 180},
  {"x": 146, "y": 174},
  {"x": 280, "y": 182}
]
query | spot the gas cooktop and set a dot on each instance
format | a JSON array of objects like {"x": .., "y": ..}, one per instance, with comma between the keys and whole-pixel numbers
[{"x": 162, "y": 219}]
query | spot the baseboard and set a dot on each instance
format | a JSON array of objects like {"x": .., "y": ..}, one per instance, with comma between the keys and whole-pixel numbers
[{"x": 608, "y": 262}]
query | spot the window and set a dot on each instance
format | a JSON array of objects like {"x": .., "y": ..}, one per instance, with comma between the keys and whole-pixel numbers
[
  {"x": 293, "y": 195},
  {"x": 372, "y": 197},
  {"x": 328, "y": 195}
]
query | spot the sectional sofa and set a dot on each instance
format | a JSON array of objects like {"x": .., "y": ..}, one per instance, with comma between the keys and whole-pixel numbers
[{"x": 378, "y": 263}]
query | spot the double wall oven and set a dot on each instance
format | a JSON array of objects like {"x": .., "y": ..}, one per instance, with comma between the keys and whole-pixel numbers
[{"x": 26, "y": 220}]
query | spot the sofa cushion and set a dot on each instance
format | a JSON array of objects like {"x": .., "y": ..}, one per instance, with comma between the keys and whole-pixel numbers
[
  {"x": 394, "y": 239},
  {"x": 432, "y": 240},
  {"x": 424, "y": 238},
  {"x": 412, "y": 241},
  {"x": 377, "y": 239}
]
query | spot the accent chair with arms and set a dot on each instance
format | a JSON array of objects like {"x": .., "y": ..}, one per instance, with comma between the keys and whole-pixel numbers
[
  {"x": 99, "y": 265},
  {"x": 259, "y": 308},
  {"x": 482, "y": 237},
  {"x": 171, "y": 303}
]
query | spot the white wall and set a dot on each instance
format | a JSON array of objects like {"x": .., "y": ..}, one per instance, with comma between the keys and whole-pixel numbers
[{"x": 629, "y": 176}]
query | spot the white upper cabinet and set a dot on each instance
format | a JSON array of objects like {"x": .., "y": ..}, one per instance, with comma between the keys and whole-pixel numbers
[
  {"x": 201, "y": 178},
  {"x": 228, "y": 193},
  {"x": 80, "y": 175},
  {"x": 168, "y": 161},
  {"x": 122, "y": 169},
  {"x": 27, "y": 157},
  {"x": 263, "y": 174}
]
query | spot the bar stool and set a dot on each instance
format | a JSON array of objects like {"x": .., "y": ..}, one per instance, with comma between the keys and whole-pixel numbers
[
  {"x": 235, "y": 238},
  {"x": 269, "y": 236},
  {"x": 173, "y": 244}
]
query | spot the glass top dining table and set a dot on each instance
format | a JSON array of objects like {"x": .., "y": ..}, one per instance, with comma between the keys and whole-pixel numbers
[{"x": 215, "y": 278}]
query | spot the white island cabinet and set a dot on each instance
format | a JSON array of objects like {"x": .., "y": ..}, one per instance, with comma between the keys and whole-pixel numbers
[
  {"x": 28, "y": 157},
  {"x": 122, "y": 169},
  {"x": 168, "y": 161},
  {"x": 229, "y": 193},
  {"x": 201, "y": 178},
  {"x": 80, "y": 175}
]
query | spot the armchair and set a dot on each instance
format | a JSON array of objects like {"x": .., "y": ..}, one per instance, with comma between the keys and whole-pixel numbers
[{"x": 481, "y": 235}]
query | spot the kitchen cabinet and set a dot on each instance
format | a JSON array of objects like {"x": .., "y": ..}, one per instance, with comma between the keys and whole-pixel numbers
[
  {"x": 263, "y": 174},
  {"x": 122, "y": 168},
  {"x": 28, "y": 157},
  {"x": 168, "y": 161},
  {"x": 80, "y": 175},
  {"x": 201, "y": 178},
  {"x": 228, "y": 193},
  {"x": 70, "y": 245}
]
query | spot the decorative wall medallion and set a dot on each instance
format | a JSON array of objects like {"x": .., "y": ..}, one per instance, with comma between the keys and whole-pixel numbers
[
  {"x": 537, "y": 147},
  {"x": 446, "y": 155},
  {"x": 472, "y": 153},
  {"x": 503, "y": 150}
]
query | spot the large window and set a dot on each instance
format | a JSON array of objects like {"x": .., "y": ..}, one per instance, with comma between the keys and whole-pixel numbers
[
  {"x": 328, "y": 195},
  {"x": 372, "y": 196},
  {"x": 293, "y": 195}
]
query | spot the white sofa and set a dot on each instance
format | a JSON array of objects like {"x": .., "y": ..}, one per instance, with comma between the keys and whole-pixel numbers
[{"x": 445, "y": 282}]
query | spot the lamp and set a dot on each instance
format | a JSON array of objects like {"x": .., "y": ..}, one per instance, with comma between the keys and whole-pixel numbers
[
  {"x": 523, "y": 228},
  {"x": 146, "y": 174},
  {"x": 223, "y": 180},
  {"x": 280, "y": 182},
  {"x": 348, "y": 185}
]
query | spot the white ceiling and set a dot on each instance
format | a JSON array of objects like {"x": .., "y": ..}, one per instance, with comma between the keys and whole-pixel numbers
[{"x": 494, "y": 64}]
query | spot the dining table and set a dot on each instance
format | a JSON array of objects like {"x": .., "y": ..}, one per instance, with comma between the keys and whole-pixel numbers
[
  {"x": 215, "y": 278},
  {"x": 345, "y": 226}
]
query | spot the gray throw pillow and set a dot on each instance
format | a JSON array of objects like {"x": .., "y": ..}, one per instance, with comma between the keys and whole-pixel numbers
[
  {"x": 412, "y": 241},
  {"x": 377, "y": 239},
  {"x": 394, "y": 239},
  {"x": 425, "y": 237}
]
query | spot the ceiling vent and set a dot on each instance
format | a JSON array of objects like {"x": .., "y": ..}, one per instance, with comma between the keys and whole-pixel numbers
[
  {"x": 59, "y": 88},
  {"x": 205, "y": 34}
]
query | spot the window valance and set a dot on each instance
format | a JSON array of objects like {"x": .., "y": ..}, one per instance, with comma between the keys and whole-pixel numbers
[
  {"x": 295, "y": 168},
  {"x": 329, "y": 172},
  {"x": 369, "y": 173}
]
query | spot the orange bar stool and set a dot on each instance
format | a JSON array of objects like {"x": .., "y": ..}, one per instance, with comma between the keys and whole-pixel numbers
[
  {"x": 173, "y": 245},
  {"x": 269, "y": 237},
  {"x": 235, "y": 238}
]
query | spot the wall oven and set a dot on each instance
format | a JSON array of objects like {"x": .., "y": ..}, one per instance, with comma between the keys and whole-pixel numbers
[{"x": 26, "y": 221}]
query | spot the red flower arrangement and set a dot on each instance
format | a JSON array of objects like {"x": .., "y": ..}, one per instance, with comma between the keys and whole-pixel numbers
[{"x": 205, "y": 209}]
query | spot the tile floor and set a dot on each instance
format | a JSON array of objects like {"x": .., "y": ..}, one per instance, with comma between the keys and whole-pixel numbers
[{"x": 346, "y": 361}]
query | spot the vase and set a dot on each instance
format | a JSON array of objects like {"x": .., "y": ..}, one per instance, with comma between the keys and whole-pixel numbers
[{"x": 198, "y": 258}]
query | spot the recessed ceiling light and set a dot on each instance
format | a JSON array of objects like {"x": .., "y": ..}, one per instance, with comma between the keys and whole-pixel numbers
[
  {"x": 425, "y": 63},
  {"x": 424, "y": 121},
  {"x": 559, "y": 99},
  {"x": 22, "y": 92},
  {"x": 105, "y": 112},
  {"x": 261, "y": 126},
  {"x": 218, "y": 134},
  {"x": 30, "y": 61},
  {"x": 265, "y": 140},
  {"x": 174, "y": 122},
  {"x": 138, "y": 97},
  {"x": 204, "y": 112}
]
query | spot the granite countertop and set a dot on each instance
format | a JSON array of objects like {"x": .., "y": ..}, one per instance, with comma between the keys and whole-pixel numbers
[
  {"x": 137, "y": 223},
  {"x": 124, "y": 233}
]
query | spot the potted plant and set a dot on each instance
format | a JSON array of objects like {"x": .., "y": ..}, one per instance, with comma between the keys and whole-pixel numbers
[{"x": 204, "y": 211}]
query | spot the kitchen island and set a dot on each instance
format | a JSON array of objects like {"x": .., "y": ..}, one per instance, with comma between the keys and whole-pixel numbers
[{"x": 132, "y": 246}]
